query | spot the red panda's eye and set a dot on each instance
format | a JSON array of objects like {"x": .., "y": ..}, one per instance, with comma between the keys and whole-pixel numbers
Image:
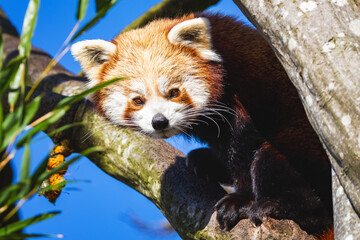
[
  {"x": 174, "y": 93},
  {"x": 138, "y": 101}
]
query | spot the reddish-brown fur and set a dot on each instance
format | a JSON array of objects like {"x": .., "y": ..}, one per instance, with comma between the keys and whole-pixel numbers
[
  {"x": 250, "y": 80},
  {"x": 270, "y": 98}
]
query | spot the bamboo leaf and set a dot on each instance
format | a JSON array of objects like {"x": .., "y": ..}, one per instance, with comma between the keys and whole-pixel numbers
[
  {"x": 56, "y": 115},
  {"x": 28, "y": 28},
  {"x": 82, "y": 6},
  {"x": 65, "y": 127},
  {"x": 25, "y": 164},
  {"x": 13, "y": 227},
  {"x": 1, "y": 49},
  {"x": 88, "y": 151},
  {"x": 31, "y": 109},
  {"x": 39, "y": 170},
  {"x": 100, "y": 14},
  {"x": 47, "y": 174},
  {"x": 1, "y": 125},
  {"x": 11, "y": 127},
  {"x": 18, "y": 82},
  {"x": 13, "y": 124},
  {"x": 8, "y": 73},
  {"x": 100, "y": 4},
  {"x": 60, "y": 185},
  {"x": 21, "y": 236},
  {"x": 8, "y": 193},
  {"x": 72, "y": 99}
]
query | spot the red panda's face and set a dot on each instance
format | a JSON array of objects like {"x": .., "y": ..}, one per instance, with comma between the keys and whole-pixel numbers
[{"x": 166, "y": 85}]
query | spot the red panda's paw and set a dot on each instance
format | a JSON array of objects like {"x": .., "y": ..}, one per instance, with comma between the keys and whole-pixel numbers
[
  {"x": 313, "y": 219},
  {"x": 231, "y": 209},
  {"x": 205, "y": 164},
  {"x": 266, "y": 208}
]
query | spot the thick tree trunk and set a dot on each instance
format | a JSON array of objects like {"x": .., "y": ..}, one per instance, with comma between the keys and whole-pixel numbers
[{"x": 318, "y": 44}]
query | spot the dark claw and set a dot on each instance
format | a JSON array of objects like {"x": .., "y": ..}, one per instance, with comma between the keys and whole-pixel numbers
[
  {"x": 256, "y": 221},
  {"x": 231, "y": 209}
]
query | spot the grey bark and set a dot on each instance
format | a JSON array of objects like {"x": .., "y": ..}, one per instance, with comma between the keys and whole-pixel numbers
[
  {"x": 152, "y": 167},
  {"x": 318, "y": 44}
]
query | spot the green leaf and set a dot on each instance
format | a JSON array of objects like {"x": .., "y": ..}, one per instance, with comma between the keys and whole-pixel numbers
[
  {"x": 17, "y": 81},
  {"x": 100, "y": 14},
  {"x": 82, "y": 6},
  {"x": 28, "y": 28},
  {"x": 16, "y": 226},
  {"x": 65, "y": 127},
  {"x": 11, "y": 127},
  {"x": 47, "y": 174},
  {"x": 1, "y": 123},
  {"x": 39, "y": 170},
  {"x": 25, "y": 164},
  {"x": 60, "y": 185},
  {"x": 31, "y": 109},
  {"x": 13, "y": 123},
  {"x": 9, "y": 192},
  {"x": 21, "y": 236},
  {"x": 57, "y": 114},
  {"x": 1, "y": 48},
  {"x": 88, "y": 151},
  {"x": 17, "y": 84},
  {"x": 9, "y": 72},
  {"x": 101, "y": 3},
  {"x": 72, "y": 99}
]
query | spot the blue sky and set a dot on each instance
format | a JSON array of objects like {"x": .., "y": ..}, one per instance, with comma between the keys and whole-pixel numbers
[{"x": 97, "y": 206}]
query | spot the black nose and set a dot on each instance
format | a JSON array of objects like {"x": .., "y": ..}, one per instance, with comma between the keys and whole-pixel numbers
[{"x": 159, "y": 122}]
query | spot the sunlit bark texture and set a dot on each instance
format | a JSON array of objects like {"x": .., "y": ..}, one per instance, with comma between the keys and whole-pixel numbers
[{"x": 318, "y": 43}]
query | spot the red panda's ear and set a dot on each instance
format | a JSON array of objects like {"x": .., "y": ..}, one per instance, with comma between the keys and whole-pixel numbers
[
  {"x": 195, "y": 33},
  {"x": 92, "y": 54}
]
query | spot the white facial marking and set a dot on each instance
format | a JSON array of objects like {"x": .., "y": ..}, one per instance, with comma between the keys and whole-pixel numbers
[
  {"x": 138, "y": 88},
  {"x": 114, "y": 107},
  {"x": 197, "y": 90},
  {"x": 171, "y": 110},
  {"x": 163, "y": 84}
]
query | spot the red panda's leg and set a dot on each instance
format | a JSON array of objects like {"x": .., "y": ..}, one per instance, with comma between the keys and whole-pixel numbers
[
  {"x": 234, "y": 206},
  {"x": 281, "y": 193},
  {"x": 206, "y": 164},
  {"x": 243, "y": 142}
]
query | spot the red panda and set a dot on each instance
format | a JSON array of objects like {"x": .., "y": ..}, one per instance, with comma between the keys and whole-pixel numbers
[{"x": 218, "y": 80}]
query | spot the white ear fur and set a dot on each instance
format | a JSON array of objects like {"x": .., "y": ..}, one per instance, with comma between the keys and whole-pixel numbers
[
  {"x": 91, "y": 54},
  {"x": 195, "y": 33}
]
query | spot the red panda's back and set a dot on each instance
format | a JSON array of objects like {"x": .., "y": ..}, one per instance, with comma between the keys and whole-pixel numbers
[{"x": 270, "y": 98}]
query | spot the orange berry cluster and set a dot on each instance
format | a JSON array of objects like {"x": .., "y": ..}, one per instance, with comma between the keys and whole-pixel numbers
[{"x": 57, "y": 157}]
